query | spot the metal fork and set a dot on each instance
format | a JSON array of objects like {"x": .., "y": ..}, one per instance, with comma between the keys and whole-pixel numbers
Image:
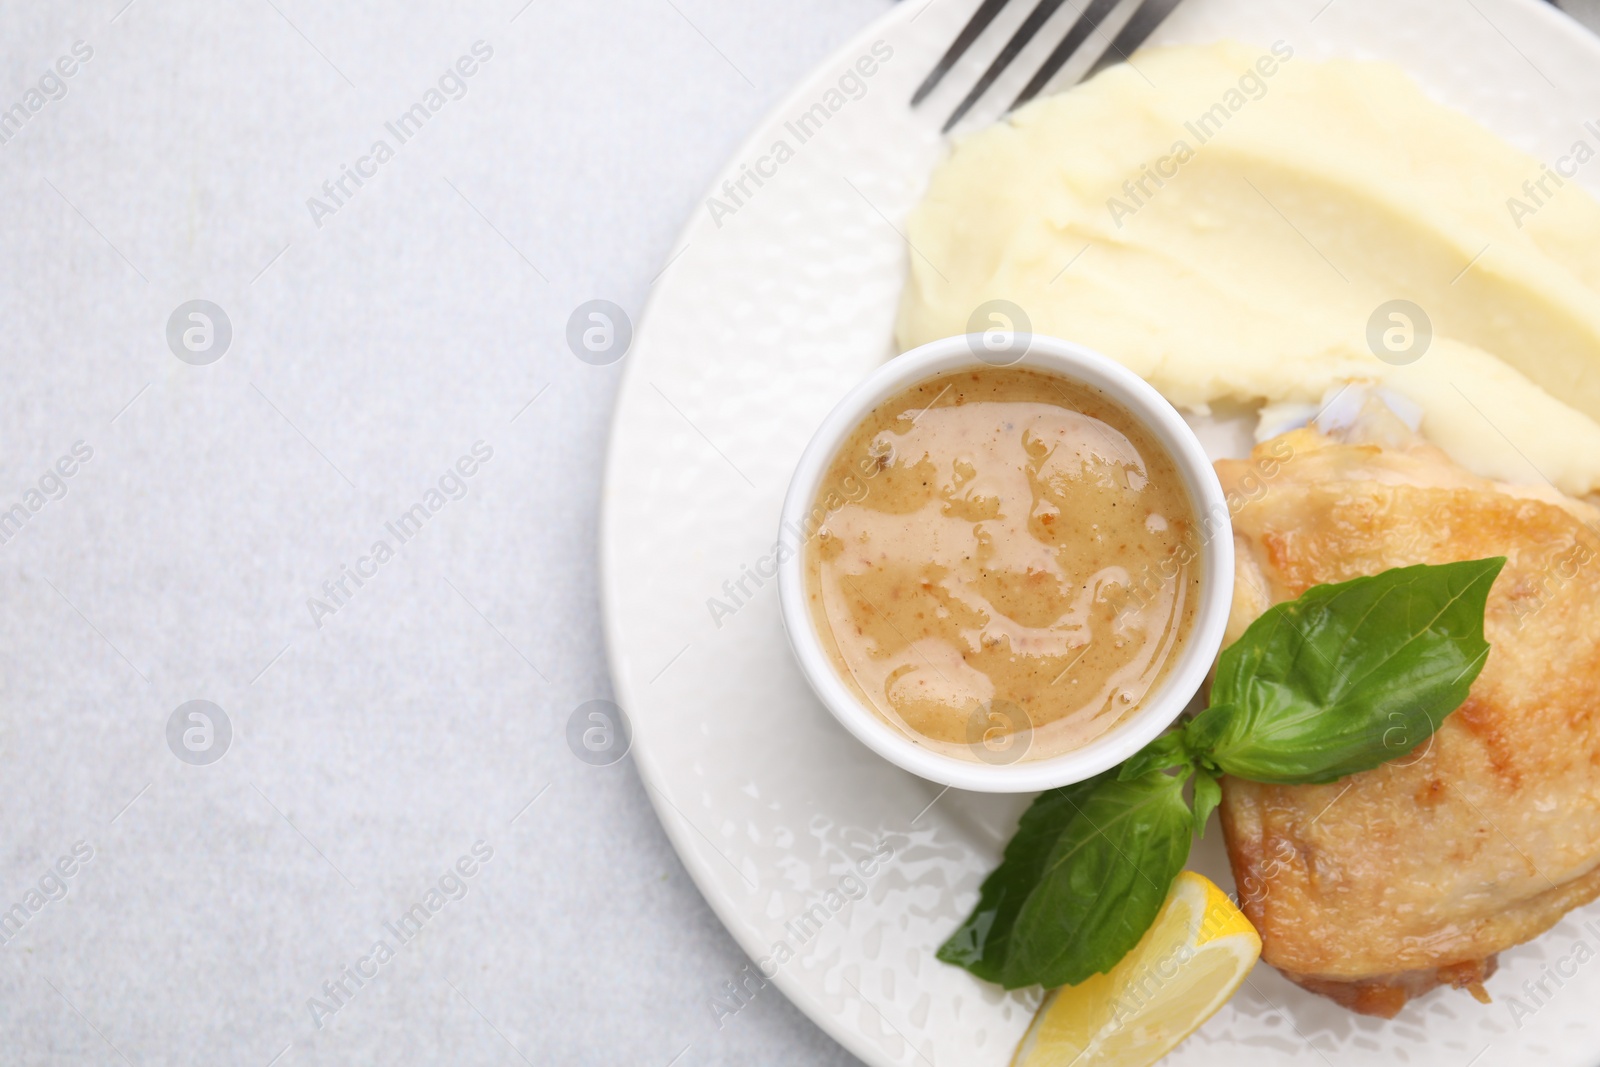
[{"x": 1148, "y": 14}]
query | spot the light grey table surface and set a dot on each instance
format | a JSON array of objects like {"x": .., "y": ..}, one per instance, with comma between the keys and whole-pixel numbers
[{"x": 376, "y": 338}]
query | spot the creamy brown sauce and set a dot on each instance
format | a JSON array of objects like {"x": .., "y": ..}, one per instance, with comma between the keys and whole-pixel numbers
[{"x": 1003, "y": 561}]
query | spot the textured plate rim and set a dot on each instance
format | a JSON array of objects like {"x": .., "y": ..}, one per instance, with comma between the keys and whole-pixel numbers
[{"x": 682, "y": 840}]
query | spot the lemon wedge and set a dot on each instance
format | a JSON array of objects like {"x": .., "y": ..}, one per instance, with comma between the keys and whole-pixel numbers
[{"x": 1187, "y": 965}]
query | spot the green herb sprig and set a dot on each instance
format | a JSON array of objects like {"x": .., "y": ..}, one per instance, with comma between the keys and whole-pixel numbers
[{"x": 1341, "y": 680}]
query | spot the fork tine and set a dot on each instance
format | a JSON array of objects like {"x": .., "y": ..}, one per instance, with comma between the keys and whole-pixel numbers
[
  {"x": 1143, "y": 23},
  {"x": 975, "y": 26},
  {"x": 1025, "y": 33},
  {"x": 1087, "y": 23}
]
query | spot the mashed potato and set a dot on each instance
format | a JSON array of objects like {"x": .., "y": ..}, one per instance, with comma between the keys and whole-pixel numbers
[{"x": 1231, "y": 222}]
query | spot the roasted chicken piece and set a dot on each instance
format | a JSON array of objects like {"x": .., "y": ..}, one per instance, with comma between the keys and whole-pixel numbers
[{"x": 1383, "y": 885}]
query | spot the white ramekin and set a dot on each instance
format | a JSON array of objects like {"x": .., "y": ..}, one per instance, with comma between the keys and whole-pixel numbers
[{"x": 1160, "y": 708}]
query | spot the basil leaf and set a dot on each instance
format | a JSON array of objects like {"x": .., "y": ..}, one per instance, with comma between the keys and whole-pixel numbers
[
  {"x": 1207, "y": 795},
  {"x": 1347, "y": 676},
  {"x": 1202, "y": 733},
  {"x": 982, "y": 942},
  {"x": 1103, "y": 883},
  {"x": 1165, "y": 752}
]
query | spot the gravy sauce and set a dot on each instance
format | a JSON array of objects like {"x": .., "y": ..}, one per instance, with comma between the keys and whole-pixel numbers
[{"x": 1006, "y": 563}]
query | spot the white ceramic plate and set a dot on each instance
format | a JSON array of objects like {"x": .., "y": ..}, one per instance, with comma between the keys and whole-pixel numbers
[{"x": 834, "y": 870}]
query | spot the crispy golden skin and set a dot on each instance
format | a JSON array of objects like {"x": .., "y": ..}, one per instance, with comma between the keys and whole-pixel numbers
[{"x": 1385, "y": 884}]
